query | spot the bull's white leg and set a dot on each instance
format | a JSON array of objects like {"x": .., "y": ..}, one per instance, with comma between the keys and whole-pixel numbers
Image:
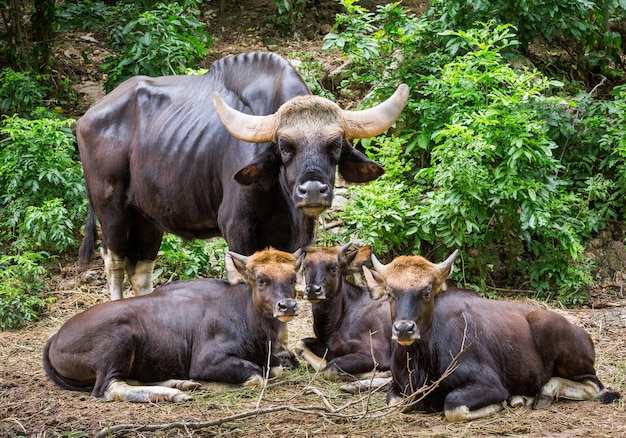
[
  {"x": 122, "y": 391},
  {"x": 140, "y": 276},
  {"x": 463, "y": 413},
  {"x": 318, "y": 363},
  {"x": 558, "y": 387},
  {"x": 114, "y": 267}
]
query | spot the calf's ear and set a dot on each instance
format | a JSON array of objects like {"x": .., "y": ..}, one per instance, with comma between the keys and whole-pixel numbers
[
  {"x": 240, "y": 274},
  {"x": 232, "y": 273},
  {"x": 356, "y": 260},
  {"x": 354, "y": 166},
  {"x": 375, "y": 283}
]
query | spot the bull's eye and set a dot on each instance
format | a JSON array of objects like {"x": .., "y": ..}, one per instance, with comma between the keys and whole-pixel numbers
[
  {"x": 333, "y": 269},
  {"x": 286, "y": 149},
  {"x": 261, "y": 282},
  {"x": 335, "y": 149}
]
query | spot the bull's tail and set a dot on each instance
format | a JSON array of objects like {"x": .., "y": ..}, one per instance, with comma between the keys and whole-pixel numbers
[
  {"x": 50, "y": 371},
  {"x": 88, "y": 244}
]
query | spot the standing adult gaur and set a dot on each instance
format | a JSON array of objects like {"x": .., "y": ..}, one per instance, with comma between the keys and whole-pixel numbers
[{"x": 244, "y": 151}]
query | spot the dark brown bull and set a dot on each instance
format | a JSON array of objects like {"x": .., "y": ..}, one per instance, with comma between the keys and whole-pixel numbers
[
  {"x": 244, "y": 151},
  {"x": 182, "y": 335},
  {"x": 512, "y": 351},
  {"x": 352, "y": 331}
]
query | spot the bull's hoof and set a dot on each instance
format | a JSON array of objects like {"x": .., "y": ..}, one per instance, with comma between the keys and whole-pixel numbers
[{"x": 287, "y": 359}]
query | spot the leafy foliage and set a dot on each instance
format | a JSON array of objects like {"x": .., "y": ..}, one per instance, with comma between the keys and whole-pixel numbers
[
  {"x": 481, "y": 171},
  {"x": 21, "y": 286},
  {"x": 183, "y": 260},
  {"x": 83, "y": 15},
  {"x": 161, "y": 41},
  {"x": 41, "y": 180},
  {"x": 311, "y": 71},
  {"x": 42, "y": 203},
  {"x": 582, "y": 28},
  {"x": 20, "y": 93},
  {"x": 289, "y": 12}
]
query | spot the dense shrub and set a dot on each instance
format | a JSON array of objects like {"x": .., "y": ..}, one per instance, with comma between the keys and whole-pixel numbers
[
  {"x": 20, "y": 93},
  {"x": 482, "y": 172},
  {"x": 162, "y": 41},
  {"x": 184, "y": 260},
  {"x": 42, "y": 205}
]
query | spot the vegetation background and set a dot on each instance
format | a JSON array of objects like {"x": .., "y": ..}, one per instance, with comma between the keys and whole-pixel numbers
[{"x": 512, "y": 147}]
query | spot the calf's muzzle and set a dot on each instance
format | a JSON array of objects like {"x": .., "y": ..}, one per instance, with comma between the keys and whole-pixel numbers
[
  {"x": 286, "y": 309},
  {"x": 314, "y": 293},
  {"x": 405, "y": 332}
]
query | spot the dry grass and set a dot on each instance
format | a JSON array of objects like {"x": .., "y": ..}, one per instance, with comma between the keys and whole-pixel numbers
[{"x": 300, "y": 404}]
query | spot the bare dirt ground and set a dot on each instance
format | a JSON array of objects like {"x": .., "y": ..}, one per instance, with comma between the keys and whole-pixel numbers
[{"x": 300, "y": 404}]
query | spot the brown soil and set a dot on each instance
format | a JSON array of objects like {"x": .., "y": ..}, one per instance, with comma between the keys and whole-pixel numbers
[{"x": 32, "y": 406}]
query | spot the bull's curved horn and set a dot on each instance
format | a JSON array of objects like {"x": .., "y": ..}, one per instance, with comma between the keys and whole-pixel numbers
[
  {"x": 297, "y": 254},
  {"x": 246, "y": 127},
  {"x": 376, "y": 264},
  {"x": 376, "y": 120},
  {"x": 242, "y": 258}
]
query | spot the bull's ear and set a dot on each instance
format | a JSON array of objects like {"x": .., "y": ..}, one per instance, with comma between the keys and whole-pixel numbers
[
  {"x": 354, "y": 166},
  {"x": 375, "y": 283},
  {"x": 236, "y": 270},
  {"x": 263, "y": 170},
  {"x": 358, "y": 259}
]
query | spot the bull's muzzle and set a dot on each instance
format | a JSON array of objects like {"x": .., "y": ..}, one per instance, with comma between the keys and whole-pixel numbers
[
  {"x": 405, "y": 332},
  {"x": 286, "y": 310},
  {"x": 314, "y": 293},
  {"x": 313, "y": 197}
]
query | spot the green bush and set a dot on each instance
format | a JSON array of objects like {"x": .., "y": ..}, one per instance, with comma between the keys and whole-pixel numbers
[
  {"x": 289, "y": 12},
  {"x": 22, "y": 284},
  {"x": 163, "y": 41},
  {"x": 83, "y": 15},
  {"x": 20, "y": 93},
  {"x": 42, "y": 205},
  {"x": 183, "y": 260},
  {"x": 481, "y": 173},
  {"x": 382, "y": 214},
  {"x": 580, "y": 28},
  {"x": 40, "y": 180},
  {"x": 312, "y": 72}
]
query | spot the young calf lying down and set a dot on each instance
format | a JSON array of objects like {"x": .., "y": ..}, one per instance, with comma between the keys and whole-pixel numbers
[
  {"x": 507, "y": 352},
  {"x": 179, "y": 336},
  {"x": 352, "y": 331}
]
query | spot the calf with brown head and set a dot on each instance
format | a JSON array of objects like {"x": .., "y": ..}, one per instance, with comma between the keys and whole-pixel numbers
[
  {"x": 182, "y": 335},
  {"x": 505, "y": 351},
  {"x": 351, "y": 330}
]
